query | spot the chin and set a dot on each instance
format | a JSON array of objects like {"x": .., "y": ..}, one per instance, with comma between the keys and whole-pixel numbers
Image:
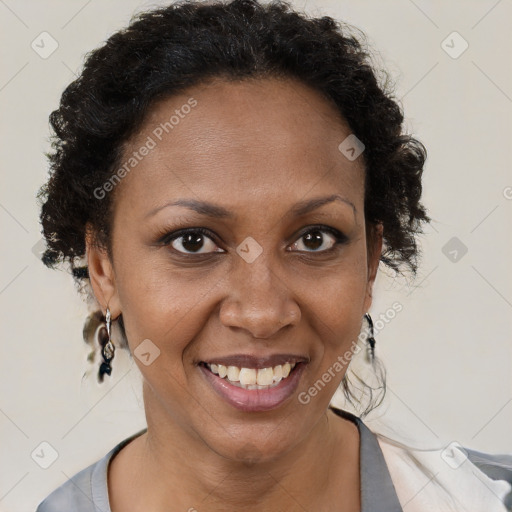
[{"x": 254, "y": 447}]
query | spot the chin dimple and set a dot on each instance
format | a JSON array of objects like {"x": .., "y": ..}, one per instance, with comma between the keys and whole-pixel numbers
[{"x": 252, "y": 378}]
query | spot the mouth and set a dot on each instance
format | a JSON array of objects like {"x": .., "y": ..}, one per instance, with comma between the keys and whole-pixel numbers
[{"x": 251, "y": 388}]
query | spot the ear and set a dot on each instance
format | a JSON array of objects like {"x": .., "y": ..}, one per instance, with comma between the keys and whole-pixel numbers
[
  {"x": 374, "y": 251},
  {"x": 101, "y": 274}
]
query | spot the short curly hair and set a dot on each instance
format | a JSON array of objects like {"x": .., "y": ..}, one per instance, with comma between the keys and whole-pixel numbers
[{"x": 167, "y": 50}]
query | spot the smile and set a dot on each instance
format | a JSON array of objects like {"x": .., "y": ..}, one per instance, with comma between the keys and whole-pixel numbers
[{"x": 245, "y": 389}]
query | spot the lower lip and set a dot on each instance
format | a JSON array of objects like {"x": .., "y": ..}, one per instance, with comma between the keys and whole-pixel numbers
[{"x": 252, "y": 400}]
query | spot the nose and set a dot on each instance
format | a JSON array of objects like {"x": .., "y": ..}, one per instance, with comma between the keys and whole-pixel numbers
[{"x": 260, "y": 301}]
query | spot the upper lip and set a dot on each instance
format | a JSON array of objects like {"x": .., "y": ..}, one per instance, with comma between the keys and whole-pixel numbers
[{"x": 250, "y": 361}]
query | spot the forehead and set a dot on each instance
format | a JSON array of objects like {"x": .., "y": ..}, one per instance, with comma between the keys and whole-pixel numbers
[{"x": 251, "y": 140}]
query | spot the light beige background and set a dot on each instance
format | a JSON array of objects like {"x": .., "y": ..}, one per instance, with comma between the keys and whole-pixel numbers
[{"x": 448, "y": 352}]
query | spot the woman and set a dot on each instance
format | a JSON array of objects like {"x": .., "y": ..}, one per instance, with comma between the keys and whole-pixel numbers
[{"x": 232, "y": 174}]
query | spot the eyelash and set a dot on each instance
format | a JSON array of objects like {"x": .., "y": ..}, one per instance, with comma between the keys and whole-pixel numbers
[{"x": 168, "y": 238}]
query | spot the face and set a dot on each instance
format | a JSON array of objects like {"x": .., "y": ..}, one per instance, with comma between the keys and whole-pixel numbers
[{"x": 274, "y": 265}]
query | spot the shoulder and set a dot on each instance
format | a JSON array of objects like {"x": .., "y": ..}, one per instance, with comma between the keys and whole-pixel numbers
[
  {"x": 86, "y": 491},
  {"x": 452, "y": 478},
  {"x": 74, "y": 494}
]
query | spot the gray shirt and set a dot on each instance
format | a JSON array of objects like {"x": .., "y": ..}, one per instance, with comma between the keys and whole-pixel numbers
[{"x": 87, "y": 491}]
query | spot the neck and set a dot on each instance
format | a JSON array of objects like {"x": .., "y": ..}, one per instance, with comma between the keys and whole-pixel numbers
[{"x": 177, "y": 466}]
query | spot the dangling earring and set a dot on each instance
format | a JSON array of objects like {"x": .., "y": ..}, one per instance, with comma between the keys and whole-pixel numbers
[
  {"x": 371, "y": 339},
  {"x": 107, "y": 350}
]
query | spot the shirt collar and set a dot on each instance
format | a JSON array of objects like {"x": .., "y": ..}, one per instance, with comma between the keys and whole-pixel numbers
[{"x": 377, "y": 489}]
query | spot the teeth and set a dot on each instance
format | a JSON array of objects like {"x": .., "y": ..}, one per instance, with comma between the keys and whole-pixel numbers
[
  {"x": 277, "y": 373},
  {"x": 233, "y": 373},
  {"x": 247, "y": 376},
  {"x": 265, "y": 376},
  {"x": 252, "y": 378}
]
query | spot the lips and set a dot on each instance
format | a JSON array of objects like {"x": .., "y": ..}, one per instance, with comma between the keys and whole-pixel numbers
[
  {"x": 286, "y": 370},
  {"x": 254, "y": 400}
]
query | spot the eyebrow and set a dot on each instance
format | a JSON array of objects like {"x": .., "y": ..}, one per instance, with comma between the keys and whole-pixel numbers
[{"x": 215, "y": 211}]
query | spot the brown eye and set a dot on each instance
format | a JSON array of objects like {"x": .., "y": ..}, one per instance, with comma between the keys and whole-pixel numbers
[
  {"x": 315, "y": 238},
  {"x": 192, "y": 241}
]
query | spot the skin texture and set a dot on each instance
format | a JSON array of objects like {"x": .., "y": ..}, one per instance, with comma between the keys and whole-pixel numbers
[{"x": 256, "y": 148}]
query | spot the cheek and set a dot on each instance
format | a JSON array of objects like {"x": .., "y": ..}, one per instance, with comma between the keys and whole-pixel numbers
[
  {"x": 156, "y": 304},
  {"x": 337, "y": 309}
]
